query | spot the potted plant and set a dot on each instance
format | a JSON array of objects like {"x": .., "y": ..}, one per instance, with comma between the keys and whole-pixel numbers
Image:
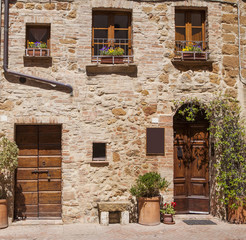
[
  {"x": 168, "y": 212},
  {"x": 193, "y": 52},
  {"x": 37, "y": 49},
  {"x": 8, "y": 164},
  {"x": 147, "y": 190},
  {"x": 111, "y": 55}
]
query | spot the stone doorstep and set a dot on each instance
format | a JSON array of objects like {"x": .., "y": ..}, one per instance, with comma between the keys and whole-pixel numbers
[
  {"x": 113, "y": 206},
  {"x": 37, "y": 222}
]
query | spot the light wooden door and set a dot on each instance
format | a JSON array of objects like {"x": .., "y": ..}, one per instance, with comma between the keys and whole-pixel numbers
[
  {"x": 191, "y": 168},
  {"x": 38, "y": 176}
]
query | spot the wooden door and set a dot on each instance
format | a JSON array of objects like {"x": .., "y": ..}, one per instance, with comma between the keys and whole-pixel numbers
[
  {"x": 38, "y": 176},
  {"x": 191, "y": 168}
]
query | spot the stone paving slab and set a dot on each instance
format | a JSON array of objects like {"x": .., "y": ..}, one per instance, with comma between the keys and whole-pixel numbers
[{"x": 221, "y": 231}]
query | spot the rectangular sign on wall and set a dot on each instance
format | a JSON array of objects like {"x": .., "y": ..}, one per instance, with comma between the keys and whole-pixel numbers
[{"x": 155, "y": 144}]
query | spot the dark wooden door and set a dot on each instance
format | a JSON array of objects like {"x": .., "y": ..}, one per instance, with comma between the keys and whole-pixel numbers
[
  {"x": 191, "y": 167},
  {"x": 38, "y": 176}
]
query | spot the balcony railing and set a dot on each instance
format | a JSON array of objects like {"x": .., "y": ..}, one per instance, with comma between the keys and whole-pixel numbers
[
  {"x": 99, "y": 43},
  {"x": 198, "y": 50},
  {"x": 37, "y": 52}
]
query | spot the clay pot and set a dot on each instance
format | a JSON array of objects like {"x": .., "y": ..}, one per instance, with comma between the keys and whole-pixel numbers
[
  {"x": 237, "y": 215},
  {"x": 109, "y": 60},
  {"x": 3, "y": 213},
  {"x": 168, "y": 219},
  {"x": 36, "y": 52},
  {"x": 149, "y": 211}
]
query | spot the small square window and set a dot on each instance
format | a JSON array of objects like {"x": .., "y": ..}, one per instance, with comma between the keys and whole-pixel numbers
[
  {"x": 37, "y": 40},
  {"x": 155, "y": 141},
  {"x": 99, "y": 152}
]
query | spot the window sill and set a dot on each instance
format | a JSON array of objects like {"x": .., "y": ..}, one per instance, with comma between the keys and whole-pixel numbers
[
  {"x": 180, "y": 62},
  {"x": 37, "y": 61},
  {"x": 37, "y": 57},
  {"x": 98, "y": 163},
  {"x": 121, "y": 69}
]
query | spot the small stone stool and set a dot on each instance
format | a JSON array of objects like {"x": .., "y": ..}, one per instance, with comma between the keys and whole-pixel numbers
[{"x": 106, "y": 207}]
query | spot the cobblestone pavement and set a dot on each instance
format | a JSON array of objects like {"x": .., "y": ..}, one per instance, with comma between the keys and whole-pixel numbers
[{"x": 180, "y": 230}]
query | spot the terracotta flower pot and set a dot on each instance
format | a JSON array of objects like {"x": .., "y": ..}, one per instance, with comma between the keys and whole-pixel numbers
[
  {"x": 3, "y": 213},
  {"x": 36, "y": 52},
  {"x": 149, "y": 211},
  {"x": 168, "y": 219},
  {"x": 109, "y": 60},
  {"x": 237, "y": 215},
  {"x": 192, "y": 56}
]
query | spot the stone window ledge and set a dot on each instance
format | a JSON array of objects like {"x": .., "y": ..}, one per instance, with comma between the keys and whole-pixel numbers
[
  {"x": 121, "y": 69},
  {"x": 38, "y": 57},
  {"x": 192, "y": 62},
  {"x": 98, "y": 163}
]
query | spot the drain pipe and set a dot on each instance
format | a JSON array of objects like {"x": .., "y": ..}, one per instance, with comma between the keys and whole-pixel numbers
[{"x": 23, "y": 77}]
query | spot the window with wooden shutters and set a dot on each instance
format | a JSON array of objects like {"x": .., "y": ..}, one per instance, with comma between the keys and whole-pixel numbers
[
  {"x": 111, "y": 30},
  {"x": 190, "y": 34},
  {"x": 37, "y": 40}
]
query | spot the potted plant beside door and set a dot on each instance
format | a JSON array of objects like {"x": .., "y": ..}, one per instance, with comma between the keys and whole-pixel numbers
[
  {"x": 147, "y": 190},
  {"x": 8, "y": 163},
  {"x": 168, "y": 212}
]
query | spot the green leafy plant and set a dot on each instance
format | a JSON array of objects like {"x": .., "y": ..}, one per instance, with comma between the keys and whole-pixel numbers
[
  {"x": 8, "y": 161},
  {"x": 149, "y": 185},
  {"x": 228, "y": 131},
  {"x": 168, "y": 208}
]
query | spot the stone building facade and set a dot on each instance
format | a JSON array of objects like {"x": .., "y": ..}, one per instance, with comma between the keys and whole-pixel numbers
[{"x": 114, "y": 104}]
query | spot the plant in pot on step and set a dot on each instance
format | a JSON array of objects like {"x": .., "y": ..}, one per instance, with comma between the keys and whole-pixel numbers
[
  {"x": 147, "y": 190},
  {"x": 168, "y": 212},
  {"x": 8, "y": 163}
]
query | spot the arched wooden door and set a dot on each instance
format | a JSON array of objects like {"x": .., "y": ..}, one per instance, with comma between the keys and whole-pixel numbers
[{"x": 191, "y": 166}]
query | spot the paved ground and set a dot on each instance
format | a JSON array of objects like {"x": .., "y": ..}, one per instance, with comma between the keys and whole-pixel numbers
[{"x": 56, "y": 231}]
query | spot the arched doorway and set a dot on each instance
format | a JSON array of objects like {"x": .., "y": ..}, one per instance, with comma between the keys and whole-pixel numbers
[{"x": 191, "y": 163}]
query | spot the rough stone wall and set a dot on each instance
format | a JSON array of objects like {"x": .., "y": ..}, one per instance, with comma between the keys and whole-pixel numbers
[{"x": 115, "y": 109}]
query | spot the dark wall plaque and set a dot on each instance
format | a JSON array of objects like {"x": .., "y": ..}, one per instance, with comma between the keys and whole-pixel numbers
[{"x": 155, "y": 141}]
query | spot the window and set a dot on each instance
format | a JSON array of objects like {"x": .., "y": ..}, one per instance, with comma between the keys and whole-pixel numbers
[
  {"x": 155, "y": 141},
  {"x": 99, "y": 152},
  {"x": 111, "y": 30},
  {"x": 37, "y": 40},
  {"x": 190, "y": 34}
]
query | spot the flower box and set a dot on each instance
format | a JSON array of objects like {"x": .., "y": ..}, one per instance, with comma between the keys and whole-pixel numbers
[
  {"x": 194, "y": 56},
  {"x": 37, "y": 52},
  {"x": 112, "y": 60}
]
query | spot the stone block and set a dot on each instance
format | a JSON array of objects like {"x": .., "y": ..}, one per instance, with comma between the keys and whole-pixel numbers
[
  {"x": 229, "y": 18},
  {"x": 104, "y": 218},
  {"x": 230, "y": 49},
  {"x": 124, "y": 218},
  {"x": 231, "y": 62}
]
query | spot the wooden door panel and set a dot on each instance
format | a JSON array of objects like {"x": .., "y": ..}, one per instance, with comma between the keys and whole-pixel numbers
[
  {"x": 49, "y": 161},
  {"x": 24, "y": 186},
  {"x": 54, "y": 173},
  {"x": 50, "y": 197},
  {"x": 38, "y": 194},
  {"x": 26, "y": 174},
  {"x": 27, "y": 198},
  {"x": 30, "y": 162},
  {"x": 191, "y": 194},
  {"x": 52, "y": 185},
  {"x": 50, "y": 208},
  {"x": 27, "y": 140},
  {"x": 199, "y": 205}
]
